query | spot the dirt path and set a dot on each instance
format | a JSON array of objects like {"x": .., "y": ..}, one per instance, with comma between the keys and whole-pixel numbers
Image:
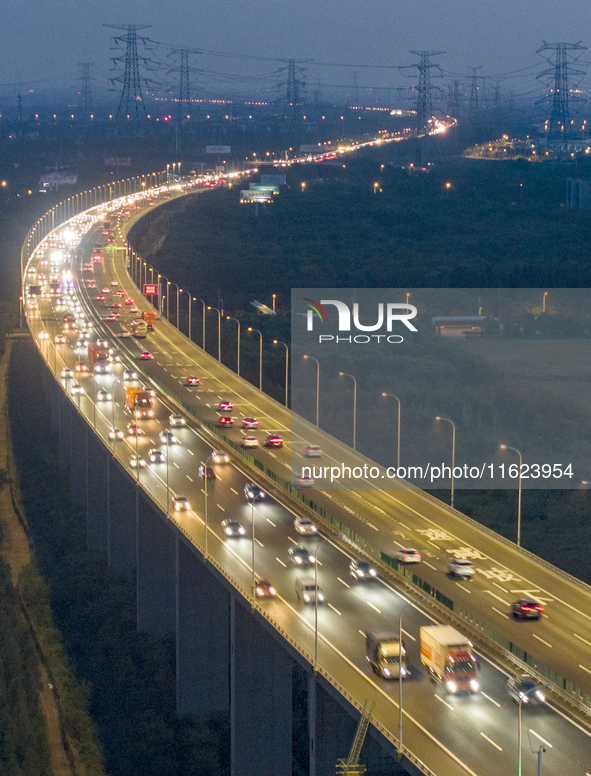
[{"x": 16, "y": 551}]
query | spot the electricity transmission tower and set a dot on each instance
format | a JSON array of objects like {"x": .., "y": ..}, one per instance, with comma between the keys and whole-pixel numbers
[
  {"x": 292, "y": 112},
  {"x": 131, "y": 104},
  {"x": 453, "y": 98},
  {"x": 85, "y": 93},
  {"x": 557, "y": 77},
  {"x": 424, "y": 95},
  {"x": 473, "y": 107}
]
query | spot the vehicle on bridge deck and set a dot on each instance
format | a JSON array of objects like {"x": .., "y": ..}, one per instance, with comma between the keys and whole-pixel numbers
[{"x": 449, "y": 657}]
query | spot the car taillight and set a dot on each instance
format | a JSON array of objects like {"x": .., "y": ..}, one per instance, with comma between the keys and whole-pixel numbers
[
  {"x": 525, "y": 608},
  {"x": 539, "y": 608}
]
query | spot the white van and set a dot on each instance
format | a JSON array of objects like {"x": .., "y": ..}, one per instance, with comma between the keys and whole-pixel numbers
[{"x": 306, "y": 590}]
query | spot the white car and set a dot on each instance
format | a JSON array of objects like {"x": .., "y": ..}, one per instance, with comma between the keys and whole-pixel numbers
[
  {"x": 103, "y": 395},
  {"x": 460, "y": 567},
  {"x": 305, "y": 482},
  {"x": 219, "y": 456},
  {"x": 67, "y": 374},
  {"x": 408, "y": 555},
  {"x": 313, "y": 451},
  {"x": 77, "y": 388},
  {"x": 115, "y": 433},
  {"x": 304, "y": 525},
  {"x": 180, "y": 504},
  {"x": 176, "y": 420},
  {"x": 136, "y": 461},
  {"x": 250, "y": 441}
]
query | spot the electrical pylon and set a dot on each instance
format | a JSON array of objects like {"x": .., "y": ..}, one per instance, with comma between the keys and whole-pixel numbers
[
  {"x": 131, "y": 104},
  {"x": 293, "y": 96},
  {"x": 86, "y": 93},
  {"x": 559, "y": 130},
  {"x": 473, "y": 107},
  {"x": 424, "y": 96}
]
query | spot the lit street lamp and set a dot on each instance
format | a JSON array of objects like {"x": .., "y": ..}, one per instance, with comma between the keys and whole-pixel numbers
[
  {"x": 393, "y": 396},
  {"x": 277, "y": 342},
  {"x": 260, "y": 356},
  {"x": 219, "y": 330},
  {"x": 453, "y": 454},
  {"x": 196, "y": 299},
  {"x": 311, "y": 358},
  {"x": 230, "y": 318},
  {"x": 515, "y": 450},
  {"x": 544, "y": 301},
  {"x": 345, "y": 374}
]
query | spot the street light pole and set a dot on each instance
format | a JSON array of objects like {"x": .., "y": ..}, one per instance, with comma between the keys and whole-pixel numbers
[
  {"x": 219, "y": 331},
  {"x": 277, "y": 342},
  {"x": 184, "y": 291},
  {"x": 520, "y": 700},
  {"x": 230, "y": 318},
  {"x": 311, "y": 358},
  {"x": 196, "y": 299},
  {"x": 346, "y": 374},
  {"x": 453, "y": 454},
  {"x": 515, "y": 450},
  {"x": 253, "y": 573},
  {"x": 393, "y": 396},
  {"x": 205, "y": 465},
  {"x": 325, "y": 539},
  {"x": 260, "y": 356}
]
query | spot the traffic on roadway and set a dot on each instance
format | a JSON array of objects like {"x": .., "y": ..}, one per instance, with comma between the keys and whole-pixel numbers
[{"x": 131, "y": 374}]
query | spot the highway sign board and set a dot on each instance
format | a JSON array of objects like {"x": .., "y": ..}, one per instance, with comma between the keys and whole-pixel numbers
[{"x": 150, "y": 289}]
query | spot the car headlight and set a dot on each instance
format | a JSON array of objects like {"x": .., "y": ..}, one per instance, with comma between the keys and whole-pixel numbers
[
  {"x": 228, "y": 531},
  {"x": 386, "y": 672},
  {"x": 320, "y": 597},
  {"x": 540, "y": 696},
  {"x": 451, "y": 686},
  {"x": 372, "y": 572},
  {"x": 474, "y": 685},
  {"x": 241, "y": 531},
  {"x": 298, "y": 559},
  {"x": 359, "y": 573}
]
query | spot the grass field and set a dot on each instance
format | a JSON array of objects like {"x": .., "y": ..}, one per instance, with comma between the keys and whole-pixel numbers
[{"x": 562, "y": 367}]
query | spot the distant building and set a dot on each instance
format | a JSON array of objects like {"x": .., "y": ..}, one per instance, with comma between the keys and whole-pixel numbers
[{"x": 578, "y": 193}]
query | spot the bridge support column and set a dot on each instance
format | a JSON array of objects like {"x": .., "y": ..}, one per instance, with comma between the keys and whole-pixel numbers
[
  {"x": 331, "y": 729},
  {"x": 65, "y": 412},
  {"x": 97, "y": 497},
  {"x": 203, "y": 638},
  {"x": 79, "y": 459},
  {"x": 155, "y": 588},
  {"x": 261, "y": 698},
  {"x": 122, "y": 534}
]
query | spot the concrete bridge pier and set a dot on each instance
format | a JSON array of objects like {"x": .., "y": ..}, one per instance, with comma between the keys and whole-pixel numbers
[{"x": 156, "y": 571}]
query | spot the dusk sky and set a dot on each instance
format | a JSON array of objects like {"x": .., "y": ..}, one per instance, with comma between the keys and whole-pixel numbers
[{"x": 44, "y": 39}]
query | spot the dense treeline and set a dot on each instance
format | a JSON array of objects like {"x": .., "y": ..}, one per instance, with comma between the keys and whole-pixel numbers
[
  {"x": 129, "y": 676},
  {"x": 23, "y": 737}
]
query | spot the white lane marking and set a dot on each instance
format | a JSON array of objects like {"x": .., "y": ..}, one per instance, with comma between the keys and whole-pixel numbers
[
  {"x": 406, "y": 633},
  {"x": 362, "y": 633},
  {"x": 543, "y": 740},
  {"x": 373, "y": 607},
  {"x": 189, "y": 478},
  {"x": 429, "y": 564},
  {"x": 404, "y": 525},
  {"x": 176, "y": 464},
  {"x": 335, "y": 609},
  {"x": 498, "y": 597},
  {"x": 272, "y": 523},
  {"x": 496, "y": 584},
  {"x": 293, "y": 541},
  {"x": 542, "y": 640},
  {"x": 280, "y": 561},
  {"x": 259, "y": 542},
  {"x": 219, "y": 506},
  {"x": 445, "y": 703},
  {"x": 492, "y": 700},
  {"x": 498, "y": 611},
  {"x": 465, "y": 589},
  {"x": 342, "y": 581},
  {"x": 191, "y": 452},
  {"x": 433, "y": 545},
  {"x": 234, "y": 491},
  {"x": 371, "y": 525},
  {"x": 584, "y": 669},
  {"x": 576, "y": 635},
  {"x": 490, "y": 741}
]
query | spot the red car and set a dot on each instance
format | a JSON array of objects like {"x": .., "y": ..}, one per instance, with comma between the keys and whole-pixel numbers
[
  {"x": 274, "y": 440},
  {"x": 250, "y": 423},
  {"x": 116, "y": 306},
  {"x": 226, "y": 405},
  {"x": 129, "y": 300},
  {"x": 193, "y": 380},
  {"x": 133, "y": 429},
  {"x": 145, "y": 356},
  {"x": 120, "y": 293},
  {"x": 100, "y": 298},
  {"x": 112, "y": 317},
  {"x": 226, "y": 421}
]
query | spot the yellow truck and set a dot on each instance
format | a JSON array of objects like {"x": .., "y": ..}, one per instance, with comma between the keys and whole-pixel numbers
[{"x": 138, "y": 402}]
